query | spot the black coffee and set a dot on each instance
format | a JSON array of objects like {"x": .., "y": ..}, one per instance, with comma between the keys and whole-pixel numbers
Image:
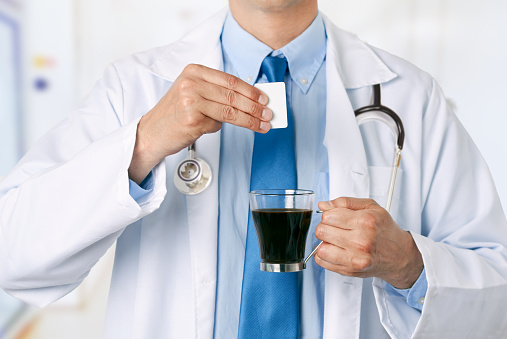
[{"x": 281, "y": 233}]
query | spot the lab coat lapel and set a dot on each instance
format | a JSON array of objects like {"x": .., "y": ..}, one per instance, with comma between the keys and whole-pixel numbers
[
  {"x": 348, "y": 167},
  {"x": 348, "y": 176},
  {"x": 201, "y": 46},
  {"x": 197, "y": 47}
]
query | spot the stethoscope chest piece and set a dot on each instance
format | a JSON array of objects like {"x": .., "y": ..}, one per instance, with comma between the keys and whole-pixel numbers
[{"x": 193, "y": 175}]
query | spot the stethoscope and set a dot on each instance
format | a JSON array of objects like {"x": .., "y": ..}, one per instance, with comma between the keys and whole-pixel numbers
[{"x": 193, "y": 175}]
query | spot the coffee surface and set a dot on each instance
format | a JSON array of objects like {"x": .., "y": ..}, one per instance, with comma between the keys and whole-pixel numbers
[{"x": 281, "y": 233}]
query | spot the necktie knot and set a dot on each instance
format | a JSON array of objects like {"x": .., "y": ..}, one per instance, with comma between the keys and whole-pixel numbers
[{"x": 274, "y": 68}]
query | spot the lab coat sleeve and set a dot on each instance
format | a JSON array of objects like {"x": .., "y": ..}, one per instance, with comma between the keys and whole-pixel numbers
[
  {"x": 67, "y": 200},
  {"x": 463, "y": 240}
]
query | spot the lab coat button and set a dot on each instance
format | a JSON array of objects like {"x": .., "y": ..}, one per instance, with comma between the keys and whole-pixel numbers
[
  {"x": 248, "y": 79},
  {"x": 421, "y": 301},
  {"x": 304, "y": 81}
]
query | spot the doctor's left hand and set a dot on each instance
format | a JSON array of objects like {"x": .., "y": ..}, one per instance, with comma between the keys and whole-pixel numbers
[{"x": 362, "y": 240}]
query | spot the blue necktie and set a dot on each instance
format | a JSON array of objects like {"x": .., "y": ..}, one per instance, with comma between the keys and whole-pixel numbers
[{"x": 270, "y": 301}]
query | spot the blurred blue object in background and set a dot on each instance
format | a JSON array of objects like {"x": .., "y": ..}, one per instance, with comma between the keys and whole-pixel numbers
[
  {"x": 10, "y": 77},
  {"x": 11, "y": 310}
]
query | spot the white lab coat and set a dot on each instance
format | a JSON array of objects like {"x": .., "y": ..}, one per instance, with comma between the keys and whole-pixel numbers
[{"x": 68, "y": 201}]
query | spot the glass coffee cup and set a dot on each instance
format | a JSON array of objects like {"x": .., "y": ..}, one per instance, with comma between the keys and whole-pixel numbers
[{"x": 282, "y": 219}]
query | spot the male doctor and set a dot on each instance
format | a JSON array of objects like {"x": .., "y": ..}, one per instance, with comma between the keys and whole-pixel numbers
[{"x": 186, "y": 266}]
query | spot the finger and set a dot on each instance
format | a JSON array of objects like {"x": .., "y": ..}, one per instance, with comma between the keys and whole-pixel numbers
[
  {"x": 228, "y": 81},
  {"x": 225, "y": 113},
  {"x": 354, "y": 203},
  {"x": 333, "y": 254},
  {"x": 345, "y": 270},
  {"x": 325, "y": 205},
  {"x": 333, "y": 235},
  {"x": 341, "y": 218},
  {"x": 354, "y": 242},
  {"x": 342, "y": 261},
  {"x": 330, "y": 266},
  {"x": 234, "y": 99}
]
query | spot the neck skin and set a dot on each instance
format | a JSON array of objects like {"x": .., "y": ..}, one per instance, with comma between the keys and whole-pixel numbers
[{"x": 274, "y": 22}]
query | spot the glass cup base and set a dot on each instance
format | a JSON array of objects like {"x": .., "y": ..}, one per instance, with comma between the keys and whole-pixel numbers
[{"x": 290, "y": 267}]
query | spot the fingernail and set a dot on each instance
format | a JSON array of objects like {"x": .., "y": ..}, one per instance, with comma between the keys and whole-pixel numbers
[
  {"x": 267, "y": 114},
  {"x": 265, "y": 126},
  {"x": 263, "y": 100}
]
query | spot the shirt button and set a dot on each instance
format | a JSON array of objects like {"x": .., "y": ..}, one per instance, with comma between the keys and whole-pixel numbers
[
  {"x": 248, "y": 79},
  {"x": 421, "y": 301},
  {"x": 304, "y": 81}
]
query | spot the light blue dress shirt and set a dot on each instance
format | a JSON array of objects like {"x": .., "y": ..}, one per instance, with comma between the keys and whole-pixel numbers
[
  {"x": 306, "y": 91},
  {"x": 138, "y": 191}
]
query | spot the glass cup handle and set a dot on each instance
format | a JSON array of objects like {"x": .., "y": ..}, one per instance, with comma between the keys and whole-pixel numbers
[{"x": 311, "y": 254}]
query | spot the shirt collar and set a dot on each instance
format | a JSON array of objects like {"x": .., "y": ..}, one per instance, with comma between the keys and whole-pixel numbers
[{"x": 304, "y": 54}]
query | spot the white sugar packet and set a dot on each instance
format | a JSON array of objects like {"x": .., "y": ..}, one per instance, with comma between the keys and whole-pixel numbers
[{"x": 277, "y": 102}]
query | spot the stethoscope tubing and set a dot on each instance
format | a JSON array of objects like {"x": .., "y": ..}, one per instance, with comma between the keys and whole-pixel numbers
[{"x": 400, "y": 139}]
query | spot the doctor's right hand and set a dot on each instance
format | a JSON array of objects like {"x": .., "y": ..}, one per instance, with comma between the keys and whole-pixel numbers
[{"x": 197, "y": 103}]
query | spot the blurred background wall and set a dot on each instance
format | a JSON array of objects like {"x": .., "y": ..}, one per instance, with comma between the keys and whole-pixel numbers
[{"x": 52, "y": 51}]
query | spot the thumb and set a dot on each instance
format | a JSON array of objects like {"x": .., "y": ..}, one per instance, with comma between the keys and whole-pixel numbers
[
  {"x": 354, "y": 204},
  {"x": 325, "y": 206}
]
